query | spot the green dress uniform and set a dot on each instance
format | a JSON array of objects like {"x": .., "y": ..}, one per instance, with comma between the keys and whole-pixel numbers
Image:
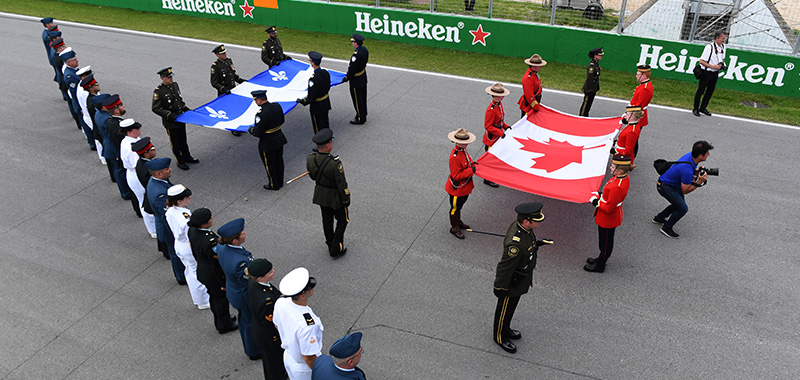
[
  {"x": 261, "y": 298},
  {"x": 592, "y": 83},
  {"x": 224, "y": 77},
  {"x": 272, "y": 52},
  {"x": 332, "y": 196},
  {"x": 168, "y": 103}
]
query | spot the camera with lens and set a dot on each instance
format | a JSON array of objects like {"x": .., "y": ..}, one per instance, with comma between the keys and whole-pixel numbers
[
  {"x": 722, "y": 67},
  {"x": 708, "y": 171}
]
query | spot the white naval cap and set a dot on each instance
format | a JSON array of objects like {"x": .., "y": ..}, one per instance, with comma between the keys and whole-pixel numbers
[
  {"x": 84, "y": 70},
  {"x": 174, "y": 190},
  {"x": 296, "y": 281},
  {"x": 126, "y": 123}
]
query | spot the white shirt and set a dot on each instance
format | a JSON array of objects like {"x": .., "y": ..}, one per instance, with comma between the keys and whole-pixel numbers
[
  {"x": 83, "y": 95},
  {"x": 713, "y": 54},
  {"x": 178, "y": 221},
  {"x": 126, "y": 153},
  {"x": 298, "y": 336}
]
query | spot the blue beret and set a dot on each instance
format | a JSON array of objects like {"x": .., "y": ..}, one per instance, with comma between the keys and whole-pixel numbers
[
  {"x": 315, "y": 57},
  {"x": 66, "y": 55},
  {"x": 46, "y": 20},
  {"x": 357, "y": 38},
  {"x": 157, "y": 163},
  {"x": 232, "y": 228},
  {"x": 257, "y": 94},
  {"x": 53, "y": 33},
  {"x": 346, "y": 346},
  {"x": 98, "y": 99}
]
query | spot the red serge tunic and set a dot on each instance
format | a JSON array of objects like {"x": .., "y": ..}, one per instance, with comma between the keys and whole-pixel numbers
[
  {"x": 494, "y": 123},
  {"x": 531, "y": 92},
  {"x": 626, "y": 142},
  {"x": 609, "y": 210},
  {"x": 642, "y": 96},
  {"x": 460, "y": 183}
]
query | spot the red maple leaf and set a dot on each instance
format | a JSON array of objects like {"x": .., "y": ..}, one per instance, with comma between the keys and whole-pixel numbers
[{"x": 557, "y": 154}]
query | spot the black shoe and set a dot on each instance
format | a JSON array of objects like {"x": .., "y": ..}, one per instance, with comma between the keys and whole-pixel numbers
[
  {"x": 193, "y": 161},
  {"x": 463, "y": 226},
  {"x": 113, "y": 180},
  {"x": 657, "y": 220},
  {"x": 695, "y": 112},
  {"x": 127, "y": 198},
  {"x": 515, "y": 335},
  {"x": 705, "y": 112},
  {"x": 228, "y": 329},
  {"x": 490, "y": 183},
  {"x": 182, "y": 283},
  {"x": 595, "y": 267},
  {"x": 509, "y": 347},
  {"x": 183, "y": 166},
  {"x": 93, "y": 148},
  {"x": 669, "y": 232},
  {"x": 236, "y": 133},
  {"x": 456, "y": 231},
  {"x": 591, "y": 260},
  {"x": 340, "y": 254},
  {"x": 357, "y": 122},
  {"x": 268, "y": 187},
  {"x": 254, "y": 357}
]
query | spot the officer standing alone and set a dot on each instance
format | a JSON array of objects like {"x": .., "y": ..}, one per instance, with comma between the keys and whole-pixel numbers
[
  {"x": 515, "y": 271},
  {"x": 592, "y": 83},
  {"x": 319, "y": 86},
  {"x": 267, "y": 127},
  {"x": 357, "y": 76},
  {"x": 168, "y": 103},
  {"x": 331, "y": 192}
]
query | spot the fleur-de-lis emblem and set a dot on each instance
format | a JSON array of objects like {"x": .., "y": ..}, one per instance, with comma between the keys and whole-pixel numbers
[
  {"x": 221, "y": 114},
  {"x": 280, "y": 75}
]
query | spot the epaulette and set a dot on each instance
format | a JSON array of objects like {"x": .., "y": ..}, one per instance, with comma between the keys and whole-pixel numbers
[
  {"x": 309, "y": 319},
  {"x": 493, "y": 105},
  {"x": 335, "y": 158}
]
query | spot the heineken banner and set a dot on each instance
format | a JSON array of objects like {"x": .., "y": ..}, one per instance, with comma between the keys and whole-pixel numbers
[{"x": 747, "y": 71}]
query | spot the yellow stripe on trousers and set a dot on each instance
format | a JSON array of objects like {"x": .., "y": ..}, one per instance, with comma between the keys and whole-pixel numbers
[
  {"x": 499, "y": 337},
  {"x": 453, "y": 208},
  {"x": 269, "y": 176},
  {"x": 355, "y": 97}
]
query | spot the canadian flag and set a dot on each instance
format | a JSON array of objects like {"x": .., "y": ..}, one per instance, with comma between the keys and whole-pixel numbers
[{"x": 552, "y": 154}]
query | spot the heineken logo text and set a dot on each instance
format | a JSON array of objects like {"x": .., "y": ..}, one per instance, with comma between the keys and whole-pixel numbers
[
  {"x": 200, "y": 6},
  {"x": 413, "y": 29}
]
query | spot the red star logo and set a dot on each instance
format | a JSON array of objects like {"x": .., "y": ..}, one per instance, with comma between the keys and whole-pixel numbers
[
  {"x": 479, "y": 35},
  {"x": 248, "y": 10},
  {"x": 558, "y": 153}
]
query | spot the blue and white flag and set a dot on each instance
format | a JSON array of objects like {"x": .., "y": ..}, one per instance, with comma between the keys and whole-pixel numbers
[{"x": 285, "y": 83}]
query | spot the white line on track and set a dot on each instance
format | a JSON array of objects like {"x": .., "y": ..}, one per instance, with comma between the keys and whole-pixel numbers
[{"x": 484, "y": 81}]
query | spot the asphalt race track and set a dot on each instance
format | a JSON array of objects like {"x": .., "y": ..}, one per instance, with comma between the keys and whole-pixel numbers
[{"x": 85, "y": 294}]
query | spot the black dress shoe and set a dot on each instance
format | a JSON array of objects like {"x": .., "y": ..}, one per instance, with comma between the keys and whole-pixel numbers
[
  {"x": 193, "y": 161},
  {"x": 515, "y": 335},
  {"x": 183, "y": 166},
  {"x": 591, "y": 260},
  {"x": 182, "y": 283},
  {"x": 509, "y": 347},
  {"x": 254, "y": 357},
  {"x": 705, "y": 112},
  {"x": 357, "y": 122},
  {"x": 595, "y": 267},
  {"x": 340, "y": 254},
  {"x": 695, "y": 112},
  {"x": 268, "y": 187},
  {"x": 456, "y": 231},
  {"x": 228, "y": 329},
  {"x": 236, "y": 133},
  {"x": 93, "y": 148}
]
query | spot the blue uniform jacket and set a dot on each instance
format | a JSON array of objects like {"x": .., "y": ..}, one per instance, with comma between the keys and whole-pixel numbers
[
  {"x": 324, "y": 369},
  {"x": 157, "y": 195},
  {"x": 71, "y": 79},
  {"x": 233, "y": 261},
  {"x": 109, "y": 151},
  {"x": 46, "y": 41}
]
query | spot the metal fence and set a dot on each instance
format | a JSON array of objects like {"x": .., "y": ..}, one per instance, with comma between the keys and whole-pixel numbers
[{"x": 757, "y": 25}]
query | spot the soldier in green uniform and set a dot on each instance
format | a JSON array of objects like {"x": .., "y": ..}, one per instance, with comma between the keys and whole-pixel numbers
[
  {"x": 592, "y": 83},
  {"x": 515, "y": 270},
  {"x": 272, "y": 49},
  {"x": 223, "y": 75},
  {"x": 168, "y": 103},
  {"x": 331, "y": 192}
]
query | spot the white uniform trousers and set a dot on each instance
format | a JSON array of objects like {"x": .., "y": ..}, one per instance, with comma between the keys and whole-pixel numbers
[
  {"x": 198, "y": 290},
  {"x": 138, "y": 190},
  {"x": 295, "y": 370}
]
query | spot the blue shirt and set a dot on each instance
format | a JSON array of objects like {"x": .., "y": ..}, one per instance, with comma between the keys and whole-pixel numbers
[{"x": 678, "y": 174}]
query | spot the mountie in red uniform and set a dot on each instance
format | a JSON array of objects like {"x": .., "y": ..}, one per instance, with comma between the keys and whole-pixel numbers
[
  {"x": 642, "y": 96},
  {"x": 459, "y": 183},
  {"x": 531, "y": 92},
  {"x": 494, "y": 123}
]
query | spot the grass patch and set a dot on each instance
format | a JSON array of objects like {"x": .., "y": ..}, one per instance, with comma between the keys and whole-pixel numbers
[{"x": 500, "y": 68}]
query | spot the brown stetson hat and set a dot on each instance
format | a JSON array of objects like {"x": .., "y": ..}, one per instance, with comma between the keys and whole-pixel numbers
[
  {"x": 497, "y": 89},
  {"x": 461, "y": 136},
  {"x": 535, "y": 60}
]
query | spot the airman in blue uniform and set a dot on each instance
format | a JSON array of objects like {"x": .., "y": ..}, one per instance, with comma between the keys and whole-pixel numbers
[
  {"x": 345, "y": 354},
  {"x": 156, "y": 192}
]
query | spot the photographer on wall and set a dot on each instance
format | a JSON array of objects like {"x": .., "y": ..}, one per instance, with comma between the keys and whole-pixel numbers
[
  {"x": 682, "y": 177},
  {"x": 711, "y": 62}
]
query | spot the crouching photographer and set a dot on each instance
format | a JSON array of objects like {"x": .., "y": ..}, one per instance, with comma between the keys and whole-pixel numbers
[{"x": 682, "y": 177}]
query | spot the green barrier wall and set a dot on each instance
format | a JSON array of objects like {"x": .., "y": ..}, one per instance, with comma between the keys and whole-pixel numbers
[{"x": 748, "y": 71}]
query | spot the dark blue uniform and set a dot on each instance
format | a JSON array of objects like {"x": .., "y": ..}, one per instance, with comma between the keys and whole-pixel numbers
[
  {"x": 319, "y": 86},
  {"x": 71, "y": 80},
  {"x": 157, "y": 196},
  {"x": 112, "y": 129},
  {"x": 357, "y": 77},
  {"x": 324, "y": 369},
  {"x": 233, "y": 261}
]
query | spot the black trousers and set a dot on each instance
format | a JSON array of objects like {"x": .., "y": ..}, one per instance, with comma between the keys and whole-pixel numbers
[
  {"x": 177, "y": 140},
  {"x": 469, "y": 5},
  {"x": 122, "y": 179},
  {"x": 606, "y": 239},
  {"x": 320, "y": 121},
  {"x": 272, "y": 362},
  {"x": 708, "y": 82},
  {"x": 334, "y": 238},
  {"x": 456, "y": 203},
  {"x": 502, "y": 318},
  {"x": 588, "y": 99},
  {"x": 219, "y": 307},
  {"x": 273, "y": 163},
  {"x": 359, "y": 97}
]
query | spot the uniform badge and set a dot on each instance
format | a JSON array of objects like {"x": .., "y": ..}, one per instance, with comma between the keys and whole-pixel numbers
[
  {"x": 212, "y": 69},
  {"x": 310, "y": 83},
  {"x": 186, "y": 215},
  {"x": 347, "y": 191},
  {"x": 309, "y": 321},
  {"x": 258, "y": 119},
  {"x": 512, "y": 251},
  {"x": 515, "y": 238},
  {"x": 155, "y": 96},
  {"x": 353, "y": 58},
  {"x": 263, "y": 48},
  {"x": 341, "y": 169}
]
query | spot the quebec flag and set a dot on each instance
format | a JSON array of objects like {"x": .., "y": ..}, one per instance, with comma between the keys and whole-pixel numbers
[{"x": 285, "y": 83}]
